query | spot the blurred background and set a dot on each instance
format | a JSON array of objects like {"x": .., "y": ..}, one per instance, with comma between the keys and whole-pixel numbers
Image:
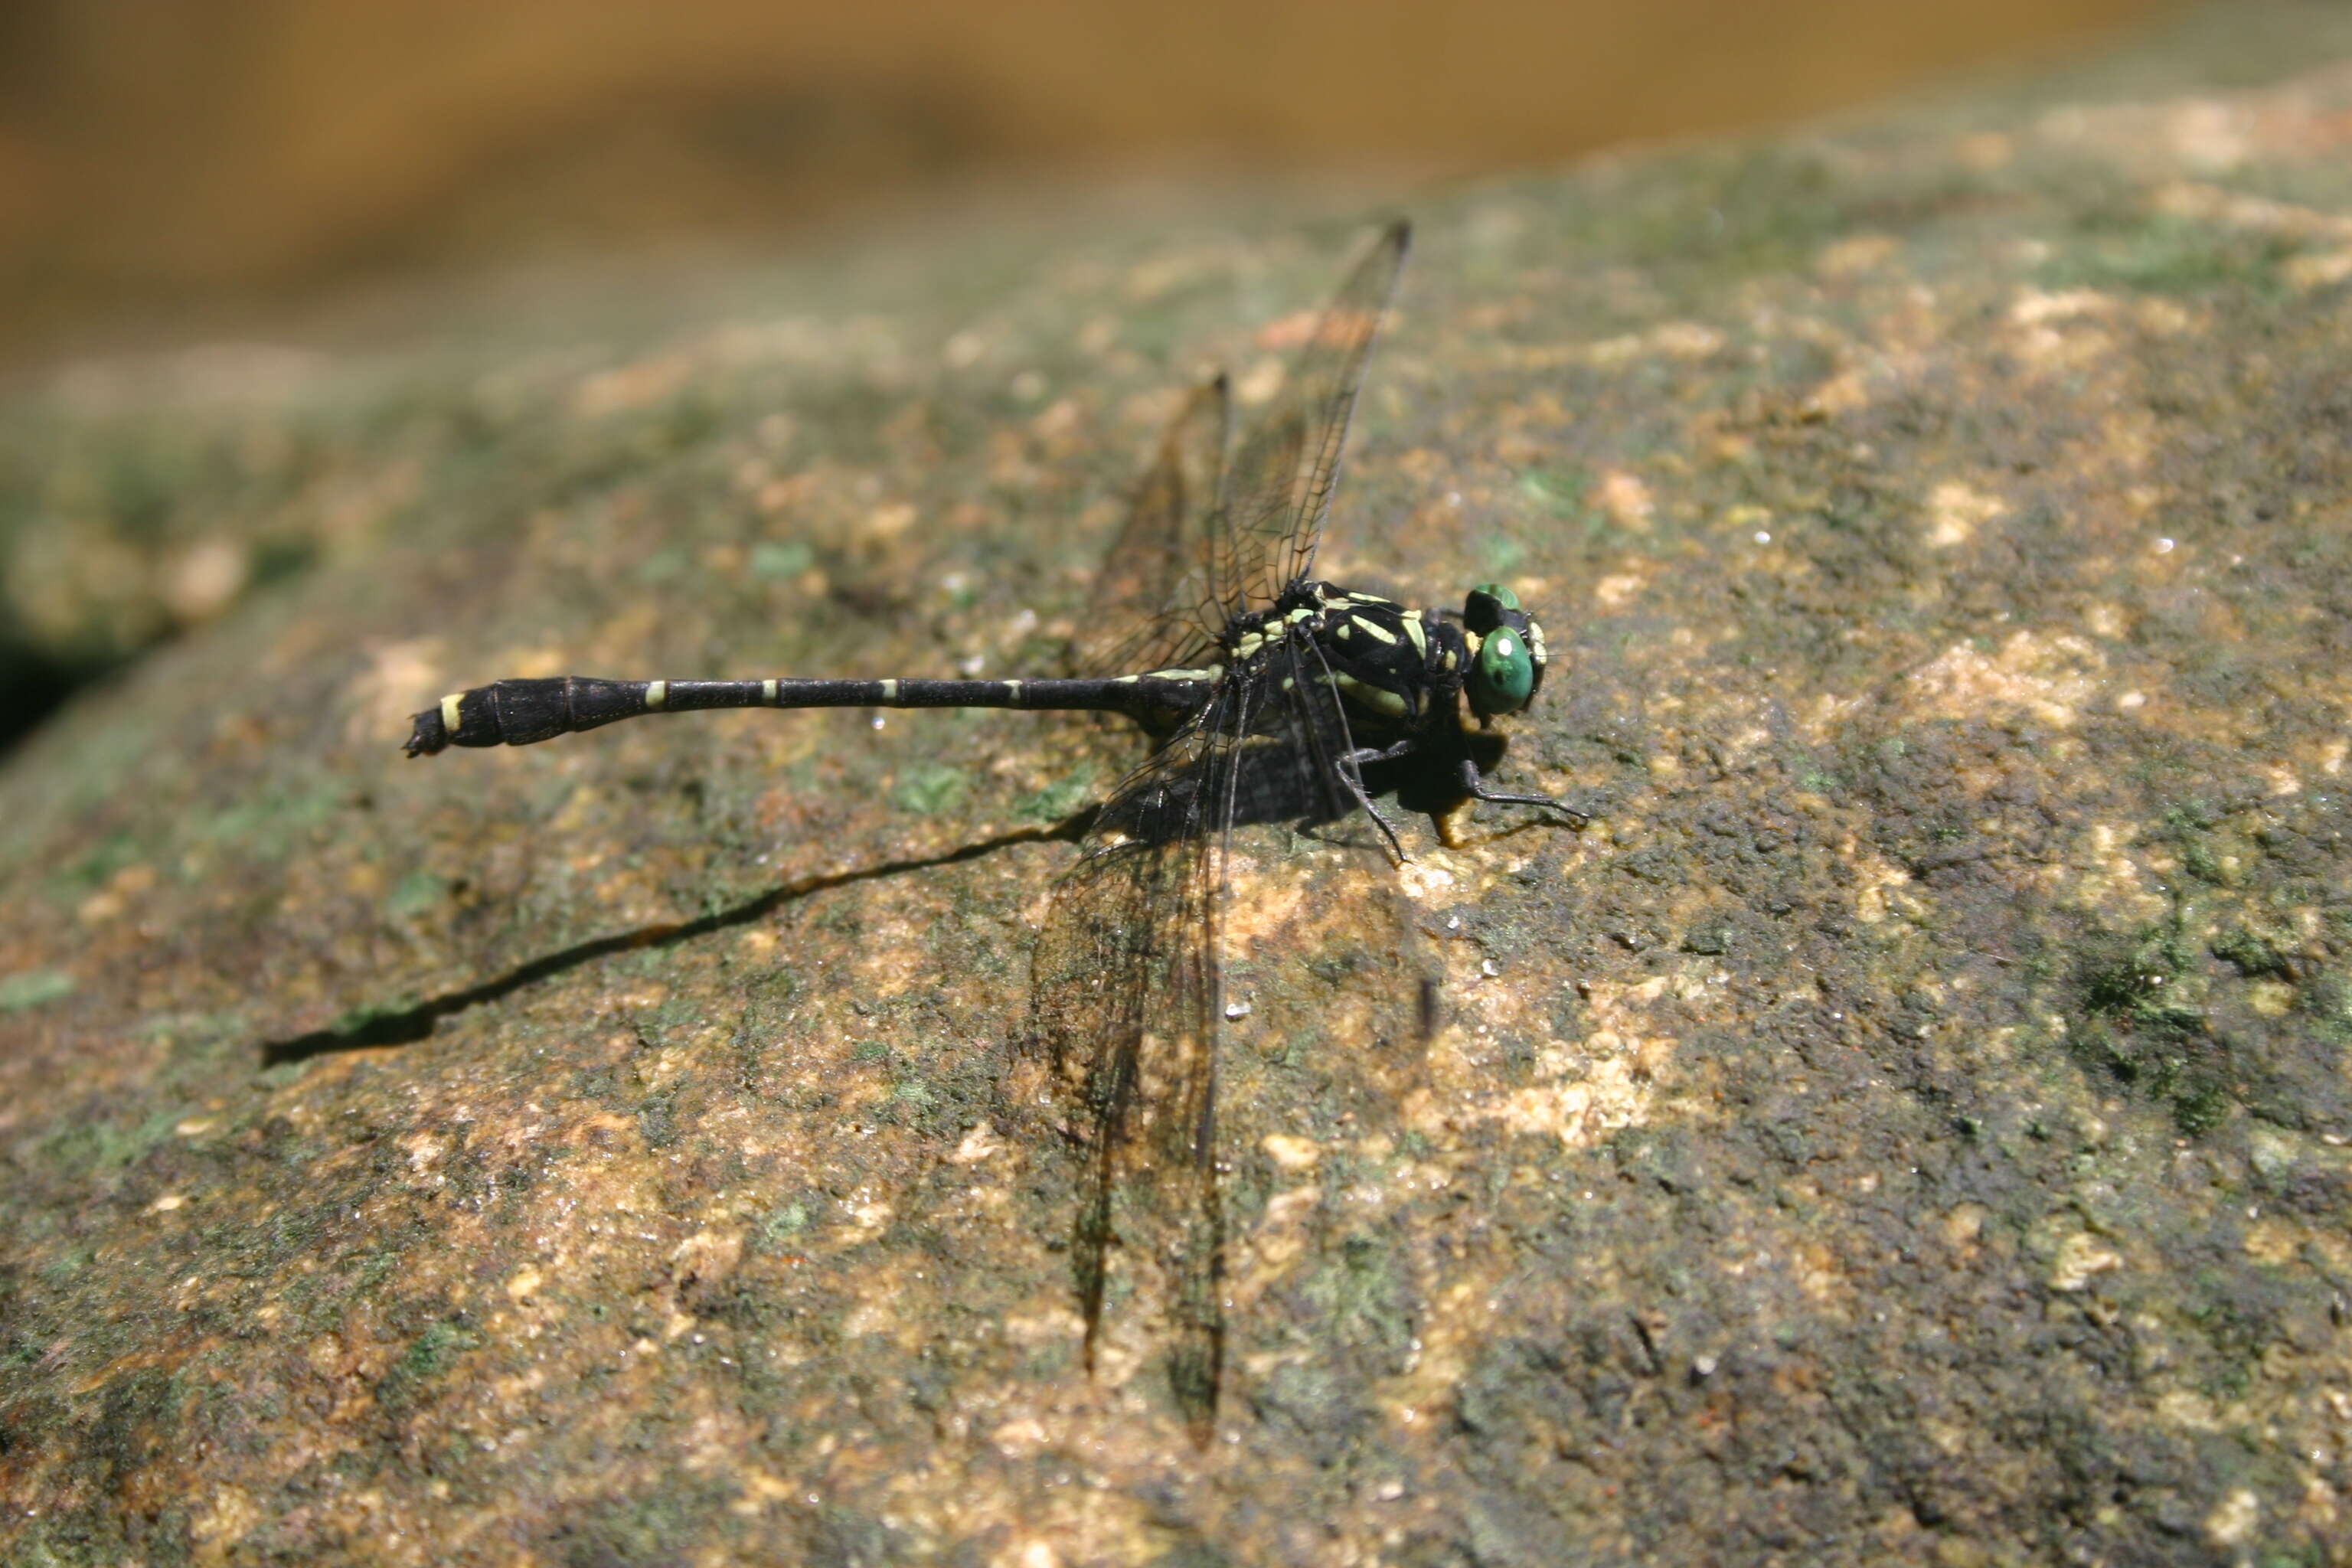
[
  {"x": 222, "y": 176},
  {"x": 159, "y": 156}
]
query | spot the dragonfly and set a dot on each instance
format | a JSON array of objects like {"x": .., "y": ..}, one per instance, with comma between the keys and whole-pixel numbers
[{"x": 1267, "y": 695}]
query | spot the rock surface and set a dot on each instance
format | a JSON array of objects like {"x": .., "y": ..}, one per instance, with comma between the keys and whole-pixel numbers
[{"x": 1909, "y": 1126}]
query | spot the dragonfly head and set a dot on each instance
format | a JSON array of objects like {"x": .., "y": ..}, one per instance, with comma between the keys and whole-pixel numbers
[{"x": 1507, "y": 661}]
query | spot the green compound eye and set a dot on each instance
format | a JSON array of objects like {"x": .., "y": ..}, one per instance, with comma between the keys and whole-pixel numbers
[{"x": 1503, "y": 676}]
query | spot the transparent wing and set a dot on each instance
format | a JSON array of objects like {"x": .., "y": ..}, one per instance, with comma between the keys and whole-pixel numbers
[
  {"x": 1124, "y": 1001},
  {"x": 1127, "y": 994},
  {"x": 1278, "y": 491},
  {"x": 1146, "y": 609},
  {"x": 1203, "y": 543},
  {"x": 1127, "y": 999}
]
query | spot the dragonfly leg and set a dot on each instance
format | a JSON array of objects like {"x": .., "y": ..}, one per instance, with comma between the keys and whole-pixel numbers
[
  {"x": 1474, "y": 785},
  {"x": 1363, "y": 754},
  {"x": 1351, "y": 774}
]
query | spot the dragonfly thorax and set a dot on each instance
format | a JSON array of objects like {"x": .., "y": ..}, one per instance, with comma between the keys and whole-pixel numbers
[{"x": 1398, "y": 670}]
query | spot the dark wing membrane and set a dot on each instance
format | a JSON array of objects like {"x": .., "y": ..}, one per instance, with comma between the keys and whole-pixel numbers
[
  {"x": 1124, "y": 1009},
  {"x": 1279, "y": 487},
  {"x": 1146, "y": 612}
]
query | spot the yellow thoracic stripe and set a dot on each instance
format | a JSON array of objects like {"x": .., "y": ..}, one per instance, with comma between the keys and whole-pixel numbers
[
  {"x": 1380, "y": 699},
  {"x": 656, "y": 695}
]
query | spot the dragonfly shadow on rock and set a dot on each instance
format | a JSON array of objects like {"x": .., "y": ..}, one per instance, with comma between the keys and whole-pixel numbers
[{"x": 410, "y": 1025}]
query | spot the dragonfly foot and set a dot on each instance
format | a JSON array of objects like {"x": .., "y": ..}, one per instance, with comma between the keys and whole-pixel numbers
[{"x": 1474, "y": 785}]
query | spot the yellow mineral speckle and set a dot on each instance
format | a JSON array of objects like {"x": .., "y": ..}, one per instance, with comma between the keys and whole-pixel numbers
[
  {"x": 708, "y": 1256},
  {"x": 1818, "y": 1273},
  {"x": 1284, "y": 1209},
  {"x": 1669, "y": 340},
  {"x": 2081, "y": 1256},
  {"x": 964, "y": 348},
  {"x": 1061, "y": 418},
  {"x": 1956, "y": 511},
  {"x": 1020, "y": 1438},
  {"x": 1618, "y": 589},
  {"x": 228, "y": 1518},
  {"x": 2048, "y": 677},
  {"x": 1843, "y": 392},
  {"x": 1291, "y": 1153},
  {"x": 2103, "y": 875},
  {"x": 1260, "y": 382},
  {"x": 2061, "y": 332},
  {"x": 1875, "y": 878},
  {"x": 2317, "y": 270},
  {"x": 1603, "y": 1082},
  {"x": 2272, "y": 1241},
  {"x": 2319, "y": 1511},
  {"x": 1856, "y": 253},
  {"x": 1423, "y": 878},
  {"x": 2189, "y": 1410},
  {"x": 1742, "y": 744},
  {"x": 632, "y": 385},
  {"x": 887, "y": 522},
  {"x": 2271, "y": 998},
  {"x": 1687, "y": 340},
  {"x": 980, "y": 1143},
  {"x": 1626, "y": 499},
  {"x": 2033, "y": 308},
  {"x": 524, "y": 1285},
  {"x": 759, "y": 1489},
  {"x": 1984, "y": 150},
  {"x": 205, "y": 579},
  {"x": 1262, "y": 906},
  {"x": 2239, "y": 209},
  {"x": 2234, "y": 1518}
]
